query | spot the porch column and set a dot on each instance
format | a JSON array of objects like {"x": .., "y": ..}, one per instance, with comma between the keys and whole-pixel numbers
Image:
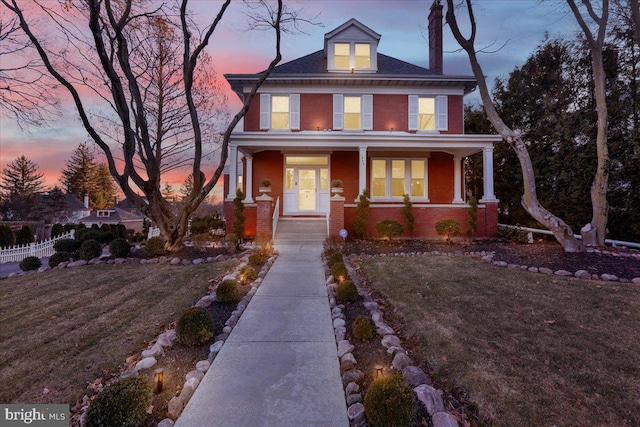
[
  {"x": 248, "y": 184},
  {"x": 362, "y": 170},
  {"x": 233, "y": 172},
  {"x": 487, "y": 173},
  {"x": 457, "y": 180}
]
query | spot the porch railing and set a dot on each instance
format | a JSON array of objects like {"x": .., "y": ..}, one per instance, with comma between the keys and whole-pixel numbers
[
  {"x": 328, "y": 218},
  {"x": 40, "y": 249},
  {"x": 276, "y": 216}
]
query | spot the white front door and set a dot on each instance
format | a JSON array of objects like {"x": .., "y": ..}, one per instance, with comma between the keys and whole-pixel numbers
[
  {"x": 306, "y": 185},
  {"x": 307, "y": 190}
]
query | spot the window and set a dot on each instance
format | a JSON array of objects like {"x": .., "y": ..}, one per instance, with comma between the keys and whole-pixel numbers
[
  {"x": 348, "y": 56},
  {"x": 279, "y": 112},
  {"x": 342, "y": 56},
  {"x": 363, "y": 55},
  {"x": 428, "y": 113},
  {"x": 352, "y": 112},
  {"x": 393, "y": 178}
]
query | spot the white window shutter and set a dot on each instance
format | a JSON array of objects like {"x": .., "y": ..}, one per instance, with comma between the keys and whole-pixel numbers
[
  {"x": 265, "y": 111},
  {"x": 367, "y": 112},
  {"x": 294, "y": 111},
  {"x": 338, "y": 111},
  {"x": 443, "y": 119},
  {"x": 413, "y": 112}
]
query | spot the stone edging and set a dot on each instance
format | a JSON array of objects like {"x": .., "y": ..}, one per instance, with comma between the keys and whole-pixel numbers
[{"x": 167, "y": 339}]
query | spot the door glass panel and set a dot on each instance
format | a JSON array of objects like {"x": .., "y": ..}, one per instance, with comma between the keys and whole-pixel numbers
[
  {"x": 307, "y": 189},
  {"x": 288, "y": 180},
  {"x": 397, "y": 178},
  {"x": 324, "y": 179}
]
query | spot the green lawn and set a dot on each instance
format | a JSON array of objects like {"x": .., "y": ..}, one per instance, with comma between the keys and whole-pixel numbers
[
  {"x": 529, "y": 349},
  {"x": 64, "y": 328}
]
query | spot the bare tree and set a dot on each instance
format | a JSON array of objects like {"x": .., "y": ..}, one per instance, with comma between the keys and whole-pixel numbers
[
  {"x": 599, "y": 204},
  {"x": 635, "y": 16},
  {"x": 121, "y": 31},
  {"x": 560, "y": 229}
]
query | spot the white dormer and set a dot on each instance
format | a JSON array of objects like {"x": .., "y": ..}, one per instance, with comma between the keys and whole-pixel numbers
[{"x": 352, "y": 47}]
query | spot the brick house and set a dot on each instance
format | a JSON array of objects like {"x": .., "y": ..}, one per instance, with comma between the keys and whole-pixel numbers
[{"x": 372, "y": 121}]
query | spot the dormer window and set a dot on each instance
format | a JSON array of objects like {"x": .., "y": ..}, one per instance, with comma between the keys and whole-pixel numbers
[
  {"x": 103, "y": 213},
  {"x": 342, "y": 58},
  {"x": 352, "y": 56},
  {"x": 363, "y": 56},
  {"x": 352, "y": 47}
]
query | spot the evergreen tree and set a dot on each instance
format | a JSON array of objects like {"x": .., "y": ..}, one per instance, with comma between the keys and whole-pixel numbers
[
  {"x": 53, "y": 206},
  {"x": 83, "y": 175},
  {"x": 21, "y": 184}
]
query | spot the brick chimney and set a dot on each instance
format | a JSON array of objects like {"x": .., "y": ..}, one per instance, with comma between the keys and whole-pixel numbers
[{"x": 435, "y": 37}]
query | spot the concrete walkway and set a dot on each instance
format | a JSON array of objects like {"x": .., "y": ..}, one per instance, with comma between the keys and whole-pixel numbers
[{"x": 279, "y": 366}]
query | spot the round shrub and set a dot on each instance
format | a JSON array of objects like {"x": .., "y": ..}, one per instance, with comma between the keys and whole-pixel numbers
[
  {"x": 335, "y": 258},
  {"x": 249, "y": 273},
  {"x": 30, "y": 263},
  {"x": 57, "y": 229},
  {"x": 155, "y": 246},
  {"x": 107, "y": 237},
  {"x": 7, "y": 236},
  {"x": 58, "y": 257},
  {"x": 339, "y": 270},
  {"x": 346, "y": 291},
  {"x": 228, "y": 291},
  {"x": 90, "y": 249},
  {"x": 389, "y": 228},
  {"x": 119, "y": 248},
  {"x": 255, "y": 259},
  {"x": 195, "y": 327},
  {"x": 124, "y": 404},
  {"x": 390, "y": 402},
  {"x": 363, "y": 328},
  {"x": 67, "y": 245},
  {"x": 89, "y": 234}
]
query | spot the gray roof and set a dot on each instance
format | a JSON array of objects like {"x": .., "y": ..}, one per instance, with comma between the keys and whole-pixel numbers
[{"x": 117, "y": 215}]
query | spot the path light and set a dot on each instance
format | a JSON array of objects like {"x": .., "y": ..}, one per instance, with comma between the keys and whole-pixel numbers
[
  {"x": 158, "y": 380},
  {"x": 378, "y": 371}
]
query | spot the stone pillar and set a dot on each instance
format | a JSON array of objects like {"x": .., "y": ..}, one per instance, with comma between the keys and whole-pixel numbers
[
  {"x": 487, "y": 172},
  {"x": 457, "y": 180},
  {"x": 336, "y": 215},
  {"x": 248, "y": 182},
  {"x": 233, "y": 172},
  {"x": 264, "y": 220}
]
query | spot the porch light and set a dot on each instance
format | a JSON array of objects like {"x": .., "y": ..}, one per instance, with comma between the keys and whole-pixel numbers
[
  {"x": 391, "y": 129},
  {"x": 158, "y": 380},
  {"x": 317, "y": 128},
  {"x": 378, "y": 371}
]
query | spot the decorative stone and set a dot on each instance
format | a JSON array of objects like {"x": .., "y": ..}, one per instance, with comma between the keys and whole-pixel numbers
[
  {"x": 636, "y": 280},
  {"x": 415, "y": 376},
  {"x": 166, "y": 339},
  {"x": 371, "y": 306},
  {"x": 352, "y": 388},
  {"x": 344, "y": 347},
  {"x": 175, "y": 261},
  {"x": 194, "y": 374},
  {"x": 430, "y": 397},
  {"x": 129, "y": 373},
  {"x": 355, "y": 412},
  {"x": 354, "y": 398},
  {"x": 384, "y": 329},
  {"x": 400, "y": 361},
  {"x": 376, "y": 316},
  {"x": 206, "y": 301},
  {"x": 545, "y": 270},
  {"x": 395, "y": 349},
  {"x": 203, "y": 366},
  {"x": 188, "y": 389},
  {"x": 443, "y": 419},
  {"x": 390, "y": 341},
  {"x": 78, "y": 263},
  {"x": 175, "y": 407},
  {"x": 533, "y": 269},
  {"x": 197, "y": 261},
  {"x": 167, "y": 422},
  {"x": 352, "y": 376},
  {"x": 563, "y": 273},
  {"x": 338, "y": 322},
  {"x": 609, "y": 277},
  {"x": 340, "y": 335},
  {"x": 146, "y": 363},
  {"x": 226, "y": 330},
  {"x": 155, "y": 351},
  {"x": 500, "y": 263},
  {"x": 348, "y": 361},
  {"x": 215, "y": 347},
  {"x": 582, "y": 274}
]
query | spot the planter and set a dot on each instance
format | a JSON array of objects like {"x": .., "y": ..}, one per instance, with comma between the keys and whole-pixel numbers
[
  {"x": 336, "y": 190},
  {"x": 265, "y": 190}
]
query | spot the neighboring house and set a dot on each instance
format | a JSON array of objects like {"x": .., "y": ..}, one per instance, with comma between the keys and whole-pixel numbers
[
  {"x": 375, "y": 122},
  {"x": 114, "y": 216},
  {"x": 77, "y": 209}
]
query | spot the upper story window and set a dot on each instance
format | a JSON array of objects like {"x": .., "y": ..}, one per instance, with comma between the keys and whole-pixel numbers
[
  {"x": 428, "y": 113},
  {"x": 352, "y": 112},
  {"x": 279, "y": 112},
  {"x": 103, "y": 213},
  {"x": 352, "y": 56},
  {"x": 362, "y": 56},
  {"x": 342, "y": 56}
]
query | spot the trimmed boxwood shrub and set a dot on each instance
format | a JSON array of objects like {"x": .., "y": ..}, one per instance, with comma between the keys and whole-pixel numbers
[
  {"x": 249, "y": 273},
  {"x": 346, "y": 291},
  {"x": 67, "y": 245},
  {"x": 255, "y": 259},
  {"x": 448, "y": 228},
  {"x": 30, "y": 263},
  {"x": 389, "y": 228},
  {"x": 58, "y": 257},
  {"x": 195, "y": 327},
  {"x": 122, "y": 404},
  {"x": 363, "y": 328},
  {"x": 390, "y": 402},
  {"x": 228, "y": 291},
  {"x": 335, "y": 258},
  {"x": 90, "y": 249},
  {"x": 119, "y": 248},
  {"x": 155, "y": 246},
  {"x": 339, "y": 270}
]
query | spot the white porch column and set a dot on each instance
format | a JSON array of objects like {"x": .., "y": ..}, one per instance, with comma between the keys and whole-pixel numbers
[
  {"x": 362, "y": 170},
  {"x": 487, "y": 173},
  {"x": 457, "y": 180},
  {"x": 249, "y": 179},
  {"x": 233, "y": 172}
]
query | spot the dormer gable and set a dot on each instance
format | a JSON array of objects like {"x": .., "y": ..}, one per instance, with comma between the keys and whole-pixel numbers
[{"x": 351, "y": 48}]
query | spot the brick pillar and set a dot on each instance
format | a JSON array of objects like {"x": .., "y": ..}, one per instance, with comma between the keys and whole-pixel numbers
[
  {"x": 264, "y": 221},
  {"x": 491, "y": 219},
  {"x": 336, "y": 218}
]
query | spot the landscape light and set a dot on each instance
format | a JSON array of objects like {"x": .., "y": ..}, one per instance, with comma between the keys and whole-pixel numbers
[
  {"x": 379, "y": 371},
  {"x": 158, "y": 380}
]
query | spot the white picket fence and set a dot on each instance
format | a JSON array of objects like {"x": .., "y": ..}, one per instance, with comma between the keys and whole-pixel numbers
[{"x": 40, "y": 249}]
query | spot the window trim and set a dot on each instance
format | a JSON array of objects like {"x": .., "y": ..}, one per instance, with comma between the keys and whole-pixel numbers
[
  {"x": 366, "y": 111},
  {"x": 407, "y": 179},
  {"x": 373, "y": 63},
  {"x": 266, "y": 111},
  {"x": 441, "y": 113}
]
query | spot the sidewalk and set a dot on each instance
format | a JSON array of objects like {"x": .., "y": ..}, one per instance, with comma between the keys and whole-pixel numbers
[{"x": 279, "y": 366}]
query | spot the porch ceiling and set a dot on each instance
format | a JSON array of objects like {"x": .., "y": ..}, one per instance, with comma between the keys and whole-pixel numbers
[{"x": 327, "y": 141}]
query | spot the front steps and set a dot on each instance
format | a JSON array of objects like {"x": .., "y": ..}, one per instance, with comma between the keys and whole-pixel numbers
[{"x": 293, "y": 229}]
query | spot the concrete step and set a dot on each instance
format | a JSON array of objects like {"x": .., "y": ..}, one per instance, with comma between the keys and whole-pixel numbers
[{"x": 301, "y": 229}]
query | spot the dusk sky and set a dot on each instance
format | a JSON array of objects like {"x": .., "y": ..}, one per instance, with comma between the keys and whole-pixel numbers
[{"x": 520, "y": 24}]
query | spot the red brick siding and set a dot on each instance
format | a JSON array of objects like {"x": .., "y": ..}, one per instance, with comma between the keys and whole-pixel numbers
[
  {"x": 336, "y": 219},
  {"x": 344, "y": 166},
  {"x": 264, "y": 221},
  {"x": 455, "y": 112},
  {"x": 252, "y": 118},
  {"x": 440, "y": 178},
  {"x": 390, "y": 111},
  {"x": 249, "y": 223},
  {"x": 316, "y": 111},
  {"x": 269, "y": 164}
]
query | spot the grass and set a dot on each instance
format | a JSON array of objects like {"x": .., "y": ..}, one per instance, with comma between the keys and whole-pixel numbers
[
  {"x": 64, "y": 328},
  {"x": 528, "y": 349}
]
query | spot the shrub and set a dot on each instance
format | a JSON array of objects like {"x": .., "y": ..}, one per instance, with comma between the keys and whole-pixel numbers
[
  {"x": 238, "y": 216},
  {"x": 57, "y": 229},
  {"x": 389, "y": 228},
  {"x": 513, "y": 235},
  {"x": 90, "y": 249},
  {"x": 24, "y": 236},
  {"x": 255, "y": 259},
  {"x": 339, "y": 270},
  {"x": 199, "y": 226},
  {"x": 249, "y": 273},
  {"x": 155, "y": 246},
  {"x": 473, "y": 216},
  {"x": 58, "y": 257},
  {"x": 228, "y": 291},
  {"x": 448, "y": 228},
  {"x": 406, "y": 211},
  {"x": 363, "y": 328},
  {"x": 195, "y": 327},
  {"x": 7, "y": 236},
  {"x": 67, "y": 245},
  {"x": 360, "y": 223},
  {"x": 124, "y": 404},
  {"x": 119, "y": 248},
  {"x": 30, "y": 263},
  {"x": 390, "y": 402},
  {"x": 106, "y": 237},
  {"x": 335, "y": 258},
  {"x": 232, "y": 242},
  {"x": 89, "y": 234},
  {"x": 346, "y": 291}
]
